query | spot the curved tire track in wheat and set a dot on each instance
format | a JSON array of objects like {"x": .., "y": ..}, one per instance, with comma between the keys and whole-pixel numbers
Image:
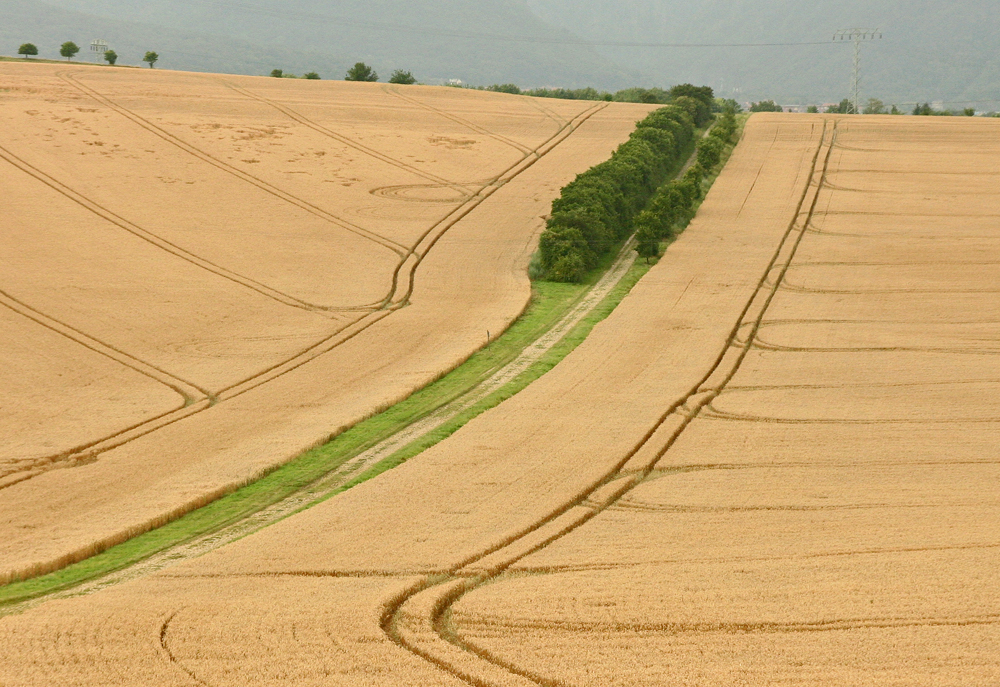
[
  {"x": 264, "y": 186},
  {"x": 393, "y": 302},
  {"x": 351, "y": 143},
  {"x": 444, "y": 591},
  {"x": 132, "y": 228}
]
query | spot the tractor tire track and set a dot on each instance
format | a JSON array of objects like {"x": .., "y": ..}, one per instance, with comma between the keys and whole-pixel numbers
[
  {"x": 353, "y": 329},
  {"x": 91, "y": 450},
  {"x": 205, "y": 399},
  {"x": 148, "y": 236},
  {"x": 435, "y": 595},
  {"x": 328, "y": 484},
  {"x": 525, "y": 150},
  {"x": 371, "y": 152},
  {"x": 189, "y": 391},
  {"x": 264, "y": 186},
  {"x": 431, "y": 237}
]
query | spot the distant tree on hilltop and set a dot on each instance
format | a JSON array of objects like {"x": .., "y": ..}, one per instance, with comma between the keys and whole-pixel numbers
[
  {"x": 69, "y": 49},
  {"x": 111, "y": 56},
  {"x": 311, "y": 75},
  {"x": 151, "y": 58},
  {"x": 845, "y": 107},
  {"x": 875, "y": 106},
  {"x": 766, "y": 106},
  {"x": 27, "y": 49},
  {"x": 402, "y": 77},
  {"x": 361, "y": 72},
  {"x": 277, "y": 73}
]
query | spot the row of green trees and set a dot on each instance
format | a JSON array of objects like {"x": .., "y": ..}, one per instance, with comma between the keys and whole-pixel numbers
[
  {"x": 595, "y": 212},
  {"x": 650, "y": 96},
  {"x": 672, "y": 206},
  {"x": 69, "y": 50},
  {"x": 874, "y": 106},
  {"x": 282, "y": 74},
  {"x": 362, "y": 72}
]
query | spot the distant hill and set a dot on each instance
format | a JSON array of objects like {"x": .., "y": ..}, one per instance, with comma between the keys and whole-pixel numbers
[
  {"x": 932, "y": 50},
  {"x": 436, "y": 40}
]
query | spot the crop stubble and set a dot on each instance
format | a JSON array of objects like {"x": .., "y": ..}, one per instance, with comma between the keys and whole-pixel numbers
[
  {"x": 730, "y": 482},
  {"x": 183, "y": 252}
]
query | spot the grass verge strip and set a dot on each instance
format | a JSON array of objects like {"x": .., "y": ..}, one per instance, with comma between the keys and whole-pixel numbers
[{"x": 550, "y": 302}]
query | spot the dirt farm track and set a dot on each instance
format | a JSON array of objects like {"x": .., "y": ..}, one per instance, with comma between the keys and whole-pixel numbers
[
  {"x": 203, "y": 275},
  {"x": 775, "y": 463}
]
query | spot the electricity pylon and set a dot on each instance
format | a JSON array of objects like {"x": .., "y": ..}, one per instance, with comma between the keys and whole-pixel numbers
[{"x": 858, "y": 36}]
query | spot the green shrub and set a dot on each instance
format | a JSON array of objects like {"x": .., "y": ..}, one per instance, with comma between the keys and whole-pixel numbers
[
  {"x": 709, "y": 151},
  {"x": 402, "y": 77},
  {"x": 361, "y": 72}
]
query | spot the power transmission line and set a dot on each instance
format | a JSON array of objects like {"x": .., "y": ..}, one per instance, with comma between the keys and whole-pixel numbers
[
  {"x": 858, "y": 36},
  {"x": 446, "y": 33}
]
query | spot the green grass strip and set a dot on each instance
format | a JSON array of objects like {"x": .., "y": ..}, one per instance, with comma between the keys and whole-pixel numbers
[{"x": 550, "y": 302}]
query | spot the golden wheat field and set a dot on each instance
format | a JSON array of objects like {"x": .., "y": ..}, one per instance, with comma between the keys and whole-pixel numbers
[
  {"x": 203, "y": 275},
  {"x": 774, "y": 463}
]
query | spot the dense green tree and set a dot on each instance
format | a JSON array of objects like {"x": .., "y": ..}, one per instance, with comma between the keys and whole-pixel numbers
[
  {"x": 312, "y": 76},
  {"x": 969, "y": 112},
  {"x": 709, "y": 152},
  {"x": 110, "y": 56},
  {"x": 812, "y": 109},
  {"x": 403, "y": 77},
  {"x": 700, "y": 112},
  {"x": 69, "y": 49},
  {"x": 150, "y": 58},
  {"x": 924, "y": 109},
  {"x": 564, "y": 252},
  {"x": 647, "y": 241},
  {"x": 27, "y": 49},
  {"x": 727, "y": 105},
  {"x": 650, "y": 96},
  {"x": 277, "y": 73},
  {"x": 766, "y": 106},
  {"x": 874, "y": 106},
  {"x": 702, "y": 93},
  {"x": 845, "y": 107},
  {"x": 361, "y": 72},
  {"x": 724, "y": 129}
]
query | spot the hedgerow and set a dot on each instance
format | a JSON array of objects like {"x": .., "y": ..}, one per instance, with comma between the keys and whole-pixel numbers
[
  {"x": 595, "y": 212},
  {"x": 673, "y": 203}
]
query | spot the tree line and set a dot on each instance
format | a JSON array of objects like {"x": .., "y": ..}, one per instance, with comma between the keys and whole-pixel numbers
[
  {"x": 672, "y": 206},
  {"x": 69, "y": 50},
  {"x": 359, "y": 72},
  {"x": 596, "y": 211}
]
